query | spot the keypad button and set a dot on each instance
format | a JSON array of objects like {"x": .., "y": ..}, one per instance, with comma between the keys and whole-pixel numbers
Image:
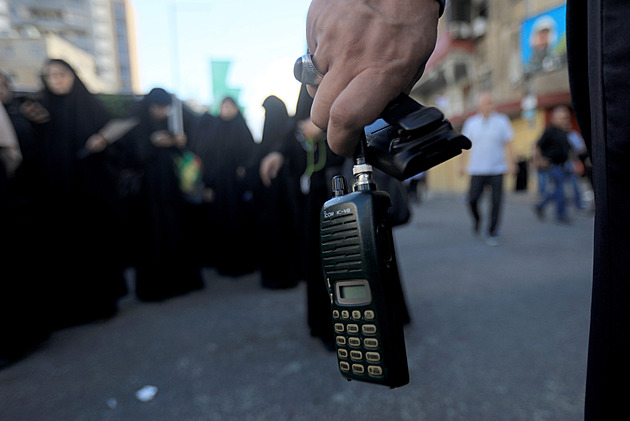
[
  {"x": 344, "y": 366},
  {"x": 369, "y": 329},
  {"x": 339, "y": 327},
  {"x": 373, "y": 357},
  {"x": 352, "y": 328},
  {"x": 335, "y": 314},
  {"x": 352, "y": 341},
  {"x": 356, "y": 314},
  {"x": 358, "y": 369},
  {"x": 341, "y": 340},
  {"x": 369, "y": 314},
  {"x": 342, "y": 353},
  {"x": 345, "y": 314},
  {"x": 356, "y": 355},
  {"x": 374, "y": 370},
  {"x": 370, "y": 343}
]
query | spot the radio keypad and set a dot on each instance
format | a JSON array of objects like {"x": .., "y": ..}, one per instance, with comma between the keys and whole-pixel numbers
[
  {"x": 375, "y": 370},
  {"x": 354, "y": 341},
  {"x": 358, "y": 368},
  {"x": 356, "y": 330},
  {"x": 369, "y": 329},
  {"x": 352, "y": 329},
  {"x": 356, "y": 355}
]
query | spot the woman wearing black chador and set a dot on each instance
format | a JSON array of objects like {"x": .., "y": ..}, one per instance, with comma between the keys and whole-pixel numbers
[
  {"x": 77, "y": 216},
  {"x": 162, "y": 250},
  {"x": 230, "y": 146}
]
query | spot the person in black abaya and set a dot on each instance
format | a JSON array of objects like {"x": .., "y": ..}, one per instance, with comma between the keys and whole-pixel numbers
[
  {"x": 76, "y": 206},
  {"x": 301, "y": 161},
  {"x": 22, "y": 295},
  {"x": 225, "y": 145},
  {"x": 205, "y": 143},
  {"x": 160, "y": 216},
  {"x": 277, "y": 201}
]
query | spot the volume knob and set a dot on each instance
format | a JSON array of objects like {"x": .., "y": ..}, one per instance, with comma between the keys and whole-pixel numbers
[{"x": 339, "y": 186}]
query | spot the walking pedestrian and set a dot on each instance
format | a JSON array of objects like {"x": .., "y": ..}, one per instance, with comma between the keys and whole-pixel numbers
[
  {"x": 489, "y": 159},
  {"x": 552, "y": 154}
]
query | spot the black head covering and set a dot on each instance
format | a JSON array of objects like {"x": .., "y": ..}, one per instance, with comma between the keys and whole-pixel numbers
[
  {"x": 277, "y": 123},
  {"x": 237, "y": 142},
  {"x": 77, "y": 114},
  {"x": 74, "y": 117},
  {"x": 141, "y": 111},
  {"x": 158, "y": 96},
  {"x": 304, "y": 104}
]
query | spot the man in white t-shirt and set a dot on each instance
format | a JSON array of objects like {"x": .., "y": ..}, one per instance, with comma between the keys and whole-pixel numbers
[{"x": 489, "y": 159}]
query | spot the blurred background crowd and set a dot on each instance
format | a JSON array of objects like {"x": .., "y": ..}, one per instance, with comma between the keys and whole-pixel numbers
[{"x": 94, "y": 186}]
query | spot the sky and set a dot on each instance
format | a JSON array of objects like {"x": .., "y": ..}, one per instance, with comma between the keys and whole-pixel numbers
[{"x": 177, "y": 39}]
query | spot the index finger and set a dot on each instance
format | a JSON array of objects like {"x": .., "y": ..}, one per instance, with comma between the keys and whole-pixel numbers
[{"x": 356, "y": 106}]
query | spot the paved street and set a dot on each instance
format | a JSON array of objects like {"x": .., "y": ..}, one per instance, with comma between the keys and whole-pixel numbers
[{"x": 498, "y": 333}]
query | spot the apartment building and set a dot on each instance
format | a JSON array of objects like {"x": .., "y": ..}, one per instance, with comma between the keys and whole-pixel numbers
[{"x": 101, "y": 28}]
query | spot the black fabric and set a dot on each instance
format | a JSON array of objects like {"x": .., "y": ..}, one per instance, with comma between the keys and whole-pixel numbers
[
  {"x": 599, "y": 62},
  {"x": 206, "y": 144},
  {"x": 77, "y": 215},
  {"x": 278, "y": 204},
  {"x": 554, "y": 145},
  {"x": 477, "y": 186},
  {"x": 23, "y": 296},
  {"x": 227, "y": 149},
  {"x": 161, "y": 220}
]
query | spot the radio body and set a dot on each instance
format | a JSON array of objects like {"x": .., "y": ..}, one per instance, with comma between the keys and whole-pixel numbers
[
  {"x": 359, "y": 265},
  {"x": 356, "y": 243}
]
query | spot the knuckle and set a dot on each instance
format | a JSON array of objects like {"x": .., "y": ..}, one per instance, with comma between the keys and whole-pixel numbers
[{"x": 343, "y": 116}]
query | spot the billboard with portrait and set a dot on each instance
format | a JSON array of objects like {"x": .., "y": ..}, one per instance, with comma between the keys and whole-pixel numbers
[{"x": 543, "y": 41}]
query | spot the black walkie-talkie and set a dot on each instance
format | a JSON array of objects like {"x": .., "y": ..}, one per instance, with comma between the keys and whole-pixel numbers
[
  {"x": 357, "y": 248},
  {"x": 361, "y": 273}
]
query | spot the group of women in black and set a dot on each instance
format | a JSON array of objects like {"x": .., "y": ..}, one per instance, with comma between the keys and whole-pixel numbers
[{"x": 84, "y": 205}]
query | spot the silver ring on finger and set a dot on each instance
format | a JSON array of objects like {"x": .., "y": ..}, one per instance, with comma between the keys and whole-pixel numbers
[{"x": 305, "y": 71}]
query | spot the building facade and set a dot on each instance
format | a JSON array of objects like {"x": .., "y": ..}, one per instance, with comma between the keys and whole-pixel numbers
[
  {"x": 99, "y": 28},
  {"x": 515, "y": 49}
]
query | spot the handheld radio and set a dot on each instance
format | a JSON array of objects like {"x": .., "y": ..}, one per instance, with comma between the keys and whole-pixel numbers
[
  {"x": 357, "y": 247},
  {"x": 359, "y": 265}
]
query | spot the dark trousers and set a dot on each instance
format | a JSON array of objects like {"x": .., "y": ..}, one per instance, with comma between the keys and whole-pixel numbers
[
  {"x": 558, "y": 177},
  {"x": 599, "y": 64},
  {"x": 477, "y": 186}
]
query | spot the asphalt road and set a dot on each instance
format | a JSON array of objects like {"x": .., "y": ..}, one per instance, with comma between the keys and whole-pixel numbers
[{"x": 498, "y": 333}]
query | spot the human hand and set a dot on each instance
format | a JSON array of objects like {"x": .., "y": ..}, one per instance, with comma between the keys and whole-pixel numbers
[
  {"x": 369, "y": 52},
  {"x": 161, "y": 139},
  {"x": 208, "y": 195},
  {"x": 96, "y": 143},
  {"x": 543, "y": 163},
  {"x": 180, "y": 140},
  {"x": 270, "y": 166}
]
